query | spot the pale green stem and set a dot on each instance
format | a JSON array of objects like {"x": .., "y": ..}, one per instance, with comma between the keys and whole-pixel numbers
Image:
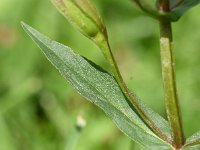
[
  {"x": 169, "y": 83},
  {"x": 169, "y": 80}
]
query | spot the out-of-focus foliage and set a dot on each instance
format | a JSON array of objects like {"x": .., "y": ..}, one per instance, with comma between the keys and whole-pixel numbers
[{"x": 38, "y": 108}]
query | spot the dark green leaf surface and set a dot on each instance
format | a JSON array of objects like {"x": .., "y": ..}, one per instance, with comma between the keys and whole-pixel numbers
[
  {"x": 178, "y": 11},
  {"x": 101, "y": 89}
]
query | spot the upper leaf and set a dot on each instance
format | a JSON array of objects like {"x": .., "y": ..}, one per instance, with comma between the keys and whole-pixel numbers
[
  {"x": 179, "y": 10},
  {"x": 100, "y": 88}
]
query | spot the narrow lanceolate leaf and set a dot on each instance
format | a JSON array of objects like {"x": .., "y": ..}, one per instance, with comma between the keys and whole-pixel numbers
[
  {"x": 181, "y": 8},
  {"x": 193, "y": 142},
  {"x": 100, "y": 88}
]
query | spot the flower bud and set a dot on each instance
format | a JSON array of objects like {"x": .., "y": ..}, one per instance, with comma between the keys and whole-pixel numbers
[{"x": 83, "y": 15}]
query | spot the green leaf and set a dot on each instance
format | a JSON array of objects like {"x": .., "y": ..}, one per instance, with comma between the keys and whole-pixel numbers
[
  {"x": 178, "y": 11},
  {"x": 100, "y": 88},
  {"x": 193, "y": 142}
]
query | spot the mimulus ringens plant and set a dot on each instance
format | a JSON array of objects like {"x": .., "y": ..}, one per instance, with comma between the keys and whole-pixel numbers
[{"x": 109, "y": 91}]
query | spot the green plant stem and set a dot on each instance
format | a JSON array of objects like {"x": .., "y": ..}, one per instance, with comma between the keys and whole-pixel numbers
[
  {"x": 169, "y": 80},
  {"x": 109, "y": 56},
  {"x": 169, "y": 83}
]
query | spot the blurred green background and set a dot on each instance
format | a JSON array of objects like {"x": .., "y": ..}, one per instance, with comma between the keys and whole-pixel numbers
[{"x": 38, "y": 108}]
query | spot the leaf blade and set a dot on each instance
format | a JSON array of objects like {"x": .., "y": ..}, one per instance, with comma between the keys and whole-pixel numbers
[
  {"x": 98, "y": 87},
  {"x": 178, "y": 11}
]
